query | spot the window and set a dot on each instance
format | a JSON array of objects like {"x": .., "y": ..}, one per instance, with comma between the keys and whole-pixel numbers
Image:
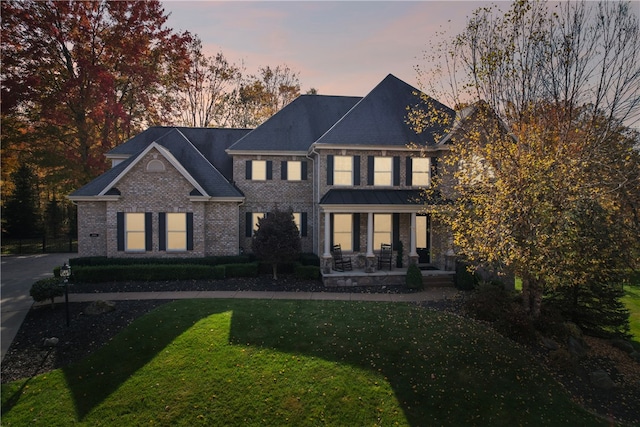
[
  {"x": 294, "y": 170},
  {"x": 259, "y": 170},
  {"x": 134, "y": 224},
  {"x": 382, "y": 171},
  {"x": 343, "y": 231},
  {"x": 255, "y": 216},
  {"x": 381, "y": 229},
  {"x": 343, "y": 171},
  {"x": 420, "y": 171},
  {"x": 422, "y": 231},
  {"x": 176, "y": 231}
]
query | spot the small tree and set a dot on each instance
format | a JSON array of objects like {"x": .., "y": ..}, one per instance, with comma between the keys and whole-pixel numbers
[
  {"x": 277, "y": 239},
  {"x": 21, "y": 211}
]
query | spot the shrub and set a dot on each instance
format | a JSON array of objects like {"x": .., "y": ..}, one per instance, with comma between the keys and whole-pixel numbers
[
  {"x": 93, "y": 274},
  {"x": 241, "y": 270},
  {"x": 414, "y": 277},
  {"x": 306, "y": 272},
  {"x": 213, "y": 260},
  {"x": 45, "y": 289},
  {"x": 309, "y": 258}
]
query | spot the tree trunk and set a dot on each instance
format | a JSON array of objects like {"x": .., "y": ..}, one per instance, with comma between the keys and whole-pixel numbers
[
  {"x": 275, "y": 271},
  {"x": 531, "y": 296}
]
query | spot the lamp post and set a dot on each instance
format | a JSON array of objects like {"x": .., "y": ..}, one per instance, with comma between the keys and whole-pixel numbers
[{"x": 65, "y": 272}]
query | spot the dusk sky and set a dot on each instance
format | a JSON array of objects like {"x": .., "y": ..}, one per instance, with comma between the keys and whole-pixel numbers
[{"x": 339, "y": 48}]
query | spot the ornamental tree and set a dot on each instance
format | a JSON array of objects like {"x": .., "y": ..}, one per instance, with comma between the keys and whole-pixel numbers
[{"x": 277, "y": 239}]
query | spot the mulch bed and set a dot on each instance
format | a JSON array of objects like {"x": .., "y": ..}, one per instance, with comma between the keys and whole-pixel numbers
[{"x": 27, "y": 356}]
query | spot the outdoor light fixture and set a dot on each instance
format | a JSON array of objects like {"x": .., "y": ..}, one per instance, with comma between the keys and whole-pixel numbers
[{"x": 65, "y": 272}]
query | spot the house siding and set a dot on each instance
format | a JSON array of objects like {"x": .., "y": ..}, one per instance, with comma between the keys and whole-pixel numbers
[{"x": 92, "y": 229}]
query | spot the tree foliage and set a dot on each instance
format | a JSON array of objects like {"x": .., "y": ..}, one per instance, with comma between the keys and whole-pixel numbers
[
  {"x": 20, "y": 214},
  {"x": 80, "y": 77},
  {"x": 277, "y": 239},
  {"x": 547, "y": 169}
]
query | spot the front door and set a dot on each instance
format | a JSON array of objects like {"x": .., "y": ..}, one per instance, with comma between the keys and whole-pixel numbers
[{"x": 423, "y": 238}]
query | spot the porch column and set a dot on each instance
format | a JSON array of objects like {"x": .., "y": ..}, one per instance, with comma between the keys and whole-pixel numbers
[
  {"x": 327, "y": 234},
  {"x": 413, "y": 251},
  {"x": 370, "y": 234}
]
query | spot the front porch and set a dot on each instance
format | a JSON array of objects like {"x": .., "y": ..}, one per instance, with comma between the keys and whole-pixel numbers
[{"x": 396, "y": 277}]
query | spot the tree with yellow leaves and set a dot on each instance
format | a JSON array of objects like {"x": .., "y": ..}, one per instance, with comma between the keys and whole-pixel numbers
[{"x": 546, "y": 166}]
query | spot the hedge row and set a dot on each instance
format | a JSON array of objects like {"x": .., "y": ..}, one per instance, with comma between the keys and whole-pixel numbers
[
  {"x": 145, "y": 272},
  {"x": 208, "y": 261}
]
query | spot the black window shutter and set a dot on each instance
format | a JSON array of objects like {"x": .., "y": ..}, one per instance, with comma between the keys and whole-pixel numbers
[
  {"x": 148, "y": 229},
  {"x": 330, "y": 169},
  {"x": 396, "y": 171},
  {"x": 247, "y": 169},
  {"x": 303, "y": 170},
  {"x": 356, "y": 170},
  {"x": 162, "y": 231},
  {"x": 303, "y": 224},
  {"x": 189, "y": 231},
  {"x": 396, "y": 230},
  {"x": 409, "y": 170},
  {"x": 269, "y": 169},
  {"x": 120, "y": 230},
  {"x": 248, "y": 227},
  {"x": 434, "y": 167},
  {"x": 283, "y": 170},
  {"x": 356, "y": 232},
  {"x": 370, "y": 166}
]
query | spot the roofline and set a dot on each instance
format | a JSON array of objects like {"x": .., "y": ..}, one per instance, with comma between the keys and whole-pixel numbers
[
  {"x": 316, "y": 146},
  {"x": 94, "y": 198},
  {"x": 216, "y": 199},
  {"x": 167, "y": 155},
  {"x": 366, "y": 208},
  {"x": 264, "y": 153}
]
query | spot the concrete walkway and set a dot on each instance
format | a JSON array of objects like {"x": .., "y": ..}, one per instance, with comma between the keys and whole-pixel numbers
[{"x": 435, "y": 294}]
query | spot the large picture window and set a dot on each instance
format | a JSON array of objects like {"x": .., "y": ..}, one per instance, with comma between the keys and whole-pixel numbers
[
  {"x": 382, "y": 230},
  {"x": 420, "y": 171},
  {"x": 176, "y": 231},
  {"x": 343, "y": 231},
  {"x": 135, "y": 240},
  {"x": 343, "y": 170}
]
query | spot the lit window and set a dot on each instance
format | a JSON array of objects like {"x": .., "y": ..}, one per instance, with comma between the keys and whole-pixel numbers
[
  {"x": 255, "y": 216},
  {"x": 420, "y": 167},
  {"x": 381, "y": 229},
  {"x": 297, "y": 219},
  {"x": 259, "y": 170},
  {"x": 294, "y": 170},
  {"x": 342, "y": 231},
  {"x": 135, "y": 232},
  {"x": 176, "y": 231},
  {"x": 343, "y": 170},
  {"x": 382, "y": 171}
]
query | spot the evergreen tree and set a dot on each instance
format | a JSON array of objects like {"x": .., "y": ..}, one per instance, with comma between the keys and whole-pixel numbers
[
  {"x": 277, "y": 239},
  {"x": 20, "y": 213}
]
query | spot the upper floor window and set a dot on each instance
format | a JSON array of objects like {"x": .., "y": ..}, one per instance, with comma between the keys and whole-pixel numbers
[
  {"x": 343, "y": 170},
  {"x": 259, "y": 170},
  {"x": 420, "y": 171},
  {"x": 292, "y": 170},
  {"x": 382, "y": 171}
]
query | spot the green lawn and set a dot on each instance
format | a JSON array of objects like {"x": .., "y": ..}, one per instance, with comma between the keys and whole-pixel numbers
[
  {"x": 298, "y": 363},
  {"x": 631, "y": 300}
]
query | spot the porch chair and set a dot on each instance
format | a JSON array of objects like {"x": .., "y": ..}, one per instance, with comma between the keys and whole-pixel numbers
[
  {"x": 340, "y": 263},
  {"x": 385, "y": 257}
]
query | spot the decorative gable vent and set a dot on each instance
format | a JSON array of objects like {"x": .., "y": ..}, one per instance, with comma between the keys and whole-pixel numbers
[{"x": 155, "y": 165}]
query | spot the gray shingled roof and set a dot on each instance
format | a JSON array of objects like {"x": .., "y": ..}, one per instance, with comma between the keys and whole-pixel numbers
[
  {"x": 380, "y": 118},
  {"x": 183, "y": 150},
  {"x": 297, "y": 125}
]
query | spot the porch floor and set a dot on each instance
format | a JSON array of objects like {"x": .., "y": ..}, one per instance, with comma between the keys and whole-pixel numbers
[{"x": 394, "y": 277}]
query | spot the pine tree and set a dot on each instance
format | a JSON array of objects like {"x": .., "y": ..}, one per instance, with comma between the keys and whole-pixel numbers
[{"x": 20, "y": 213}]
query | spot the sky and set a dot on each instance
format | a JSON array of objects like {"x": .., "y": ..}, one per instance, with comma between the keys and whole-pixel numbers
[{"x": 339, "y": 48}]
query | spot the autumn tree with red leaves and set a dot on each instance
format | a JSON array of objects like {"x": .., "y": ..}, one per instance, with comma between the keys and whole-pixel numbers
[{"x": 80, "y": 77}]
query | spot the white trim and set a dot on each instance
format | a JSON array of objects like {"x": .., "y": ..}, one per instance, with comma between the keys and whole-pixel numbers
[
  {"x": 372, "y": 208},
  {"x": 168, "y": 156},
  {"x": 405, "y": 148},
  {"x": 254, "y": 153},
  {"x": 94, "y": 198},
  {"x": 216, "y": 199}
]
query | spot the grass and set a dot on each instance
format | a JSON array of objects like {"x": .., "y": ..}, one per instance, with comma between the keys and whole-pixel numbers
[
  {"x": 276, "y": 363},
  {"x": 631, "y": 300}
]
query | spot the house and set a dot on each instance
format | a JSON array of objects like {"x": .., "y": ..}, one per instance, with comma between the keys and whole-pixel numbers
[{"x": 351, "y": 169}]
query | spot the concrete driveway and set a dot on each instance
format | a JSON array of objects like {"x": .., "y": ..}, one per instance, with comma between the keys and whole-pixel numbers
[{"x": 18, "y": 274}]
